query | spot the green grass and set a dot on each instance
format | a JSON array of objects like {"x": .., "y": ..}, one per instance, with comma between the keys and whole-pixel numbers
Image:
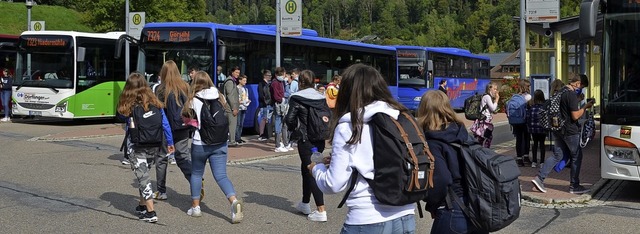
[{"x": 13, "y": 18}]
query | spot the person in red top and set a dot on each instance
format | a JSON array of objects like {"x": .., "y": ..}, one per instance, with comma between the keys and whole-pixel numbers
[{"x": 277, "y": 97}]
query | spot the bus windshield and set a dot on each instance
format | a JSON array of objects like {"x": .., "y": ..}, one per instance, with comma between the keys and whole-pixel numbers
[
  {"x": 45, "y": 61},
  {"x": 621, "y": 82},
  {"x": 412, "y": 68},
  {"x": 184, "y": 56}
]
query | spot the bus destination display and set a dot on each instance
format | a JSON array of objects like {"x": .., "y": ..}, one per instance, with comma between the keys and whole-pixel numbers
[{"x": 174, "y": 36}]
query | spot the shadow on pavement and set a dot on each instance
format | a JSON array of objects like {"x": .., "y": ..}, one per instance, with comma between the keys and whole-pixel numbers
[{"x": 271, "y": 201}]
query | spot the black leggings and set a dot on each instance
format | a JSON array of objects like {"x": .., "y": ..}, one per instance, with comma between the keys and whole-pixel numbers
[
  {"x": 538, "y": 143},
  {"x": 308, "y": 182}
]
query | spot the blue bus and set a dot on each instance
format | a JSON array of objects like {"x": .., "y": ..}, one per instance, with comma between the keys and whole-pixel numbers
[
  {"x": 252, "y": 48},
  {"x": 422, "y": 68}
]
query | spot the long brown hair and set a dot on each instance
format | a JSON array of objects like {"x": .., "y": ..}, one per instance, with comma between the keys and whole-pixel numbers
[
  {"x": 305, "y": 79},
  {"x": 434, "y": 111},
  {"x": 171, "y": 82},
  {"x": 360, "y": 86},
  {"x": 136, "y": 92},
  {"x": 201, "y": 81}
]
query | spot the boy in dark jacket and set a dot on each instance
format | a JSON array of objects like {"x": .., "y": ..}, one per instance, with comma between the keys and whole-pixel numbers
[{"x": 264, "y": 103}]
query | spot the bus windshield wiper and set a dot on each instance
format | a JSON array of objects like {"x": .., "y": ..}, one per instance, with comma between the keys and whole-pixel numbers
[{"x": 54, "y": 90}]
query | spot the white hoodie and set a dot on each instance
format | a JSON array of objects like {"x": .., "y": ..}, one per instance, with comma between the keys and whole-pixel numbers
[
  {"x": 196, "y": 105},
  {"x": 363, "y": 206}
]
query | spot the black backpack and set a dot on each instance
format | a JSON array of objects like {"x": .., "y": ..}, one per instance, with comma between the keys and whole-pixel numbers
[
  {"x": 147, "y": 127},
  {"x": 318, "y": 122},
  {"x": 550, "y": 117},
  {"x": 214, "y": 125},
  {"x": 473, "y": 107},
  {"x": 403, "y": 164},
  {"x": 491, "y": 186}
]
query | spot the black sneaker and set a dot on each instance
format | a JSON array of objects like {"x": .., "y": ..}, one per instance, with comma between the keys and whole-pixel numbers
[
  {"x": 140, "y": 209},
  {"x": 149, "y": 217},
  {"x": 527, "y": 160},
  {"x": 520, "y": 162},
  {"x": 578, "y": 190}
]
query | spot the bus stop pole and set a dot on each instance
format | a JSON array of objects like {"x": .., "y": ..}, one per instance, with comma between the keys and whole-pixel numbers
[
  {"x": 523, "y": 40},
  {"x": 277, "y": 33},
  {"x": 126, "y": 45}
]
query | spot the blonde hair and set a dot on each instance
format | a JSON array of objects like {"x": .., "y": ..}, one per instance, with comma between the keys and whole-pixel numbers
[
  {"x": 136, "y": 92},
  {"x": 556, "y": 85},
  {"x": 171, "y": 82},
  {"x": 435, "y": 112}
]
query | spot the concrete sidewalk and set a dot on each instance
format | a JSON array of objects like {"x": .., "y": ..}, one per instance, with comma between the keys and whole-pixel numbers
[{"x": 557, "y": 184}]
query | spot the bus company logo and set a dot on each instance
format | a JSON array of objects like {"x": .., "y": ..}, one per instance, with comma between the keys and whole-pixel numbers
[
  {"x": 29, "y": 97},
  {"x": 19, "y": 94}
]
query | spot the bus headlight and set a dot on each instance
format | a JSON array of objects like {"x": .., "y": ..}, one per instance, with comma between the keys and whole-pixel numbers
[
  {"x": 621, "y": 151},
  {"x": 61, "y": 107}
]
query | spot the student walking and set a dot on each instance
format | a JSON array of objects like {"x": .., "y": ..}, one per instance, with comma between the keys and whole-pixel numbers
[
  {"x": 277, "y": 96},
  {"x": 483, "y": 129},
  {"x": 296, "y": 120},
  {"x": 137, "y": 97},
  {"x": 567, "y": 140},
  {"x": 441, "y": 129},
  {"x": 517, "y": 107},
  {"x": 538, "y": 133},
  {"x": 265, "y": 105},
  {"x": 203, "y": 90},
  {"x": 6, "y": 81},
  {"x": 243, "y": 93},
  {"x": 363, "y": 94},
  {"x": 172, "y": 92},
  {"x": 230, "y": 91}
]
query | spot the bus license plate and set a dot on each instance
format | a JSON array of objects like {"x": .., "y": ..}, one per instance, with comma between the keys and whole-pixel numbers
[{"x": 36, "y": 113}]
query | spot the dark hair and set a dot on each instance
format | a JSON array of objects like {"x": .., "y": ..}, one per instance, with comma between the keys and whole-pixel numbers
[
  {"x": 443, "y": 81},
  {"x": 305, "y": 79},
  {"x": 295, "y": 70},
  {"x": 234, "y": 69},
  {"x": 280, "y": 71},
  {"x": 584, "y": 80},
  {"x": 538, "y": 97},
  {"x": 266, "y": 71},
  {"x": 194, "y": 69},
  {"x": 360, "y": 86}
]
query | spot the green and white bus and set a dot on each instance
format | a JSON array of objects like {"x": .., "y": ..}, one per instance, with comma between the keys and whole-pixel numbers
[{"x": 67, "y": 74}]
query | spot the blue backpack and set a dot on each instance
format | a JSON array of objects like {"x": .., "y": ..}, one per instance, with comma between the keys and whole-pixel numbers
[{"x": 517, "y": 109}]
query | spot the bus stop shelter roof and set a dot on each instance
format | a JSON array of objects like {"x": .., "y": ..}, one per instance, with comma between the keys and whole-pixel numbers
[{"x": 570, "y": 29}]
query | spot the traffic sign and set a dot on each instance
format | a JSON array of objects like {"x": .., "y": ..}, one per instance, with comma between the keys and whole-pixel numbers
[
  {"x": 542, "y": 11},
  {"x": 291, "y": 18},
  {"x": 37, "y": 25},
  {"x": 136, "y": 23}
]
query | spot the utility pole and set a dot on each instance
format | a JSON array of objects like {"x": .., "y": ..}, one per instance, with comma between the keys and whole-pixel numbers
[
  {"x": 126, "y": 45},
  {"x": 278, "y": 33}
]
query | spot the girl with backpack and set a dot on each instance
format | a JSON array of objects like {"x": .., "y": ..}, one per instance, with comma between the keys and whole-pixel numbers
[
  {"x": 538, "y": 133},
  {"x": 483, "y": 129},
  {"x": 202, "y": 88},
  {"x": 297, "y": 120},
  {"x": 364, "y": 93},
  {"x": 441, "y": 129},
  {"x": 136, "y": 93}
]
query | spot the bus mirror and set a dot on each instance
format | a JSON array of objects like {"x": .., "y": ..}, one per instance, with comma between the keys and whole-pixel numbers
[
  {"x": 81, "y": 52},
  {"x": 429, "y": 65},
  {"x": 118, "y": 51},
  {"x": 588, "y": 18},
  {"x": 222, "y": 50}
]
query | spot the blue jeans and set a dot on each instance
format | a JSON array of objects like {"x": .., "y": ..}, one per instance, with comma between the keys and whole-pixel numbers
[
  {"x": 404, "y": 224},
  {"x": 452, "y": 221},
  {"x": 6, "y": 97},
  {"x": 569, "y": 145},
  {"x": 241, "y": 114},
  {"x": 217, "y": 156}
]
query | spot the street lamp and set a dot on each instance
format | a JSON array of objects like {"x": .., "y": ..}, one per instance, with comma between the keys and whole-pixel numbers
[{"x": 29, "y": 4}]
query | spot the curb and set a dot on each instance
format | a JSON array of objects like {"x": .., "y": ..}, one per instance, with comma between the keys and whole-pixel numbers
[{"x": 582, "y": 199}]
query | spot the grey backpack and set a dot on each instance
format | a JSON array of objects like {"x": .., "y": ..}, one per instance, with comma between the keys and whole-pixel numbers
[{"x": 491, "y": 187}]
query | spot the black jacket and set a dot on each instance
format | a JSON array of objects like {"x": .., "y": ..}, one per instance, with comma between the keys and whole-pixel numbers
[
  {"x": 264, "y": 95},
  {"x": 296, "y": 118},
  {"x": 447, "y": 166}
]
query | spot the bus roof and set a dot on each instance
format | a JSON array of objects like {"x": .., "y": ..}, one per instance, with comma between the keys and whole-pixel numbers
[
  {"x": 269, "y": 30},
  {"x": 444, "y": 50},
  {"x": 7, "y": 37},
  {"x": 109, "y": 35}
]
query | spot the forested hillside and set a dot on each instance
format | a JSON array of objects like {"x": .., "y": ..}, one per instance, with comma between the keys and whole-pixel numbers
[{"x": 478, "y": 25}]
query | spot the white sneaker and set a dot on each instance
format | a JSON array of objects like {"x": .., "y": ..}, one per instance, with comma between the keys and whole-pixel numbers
[
  {"x": 304, "y": 208},
  {"x": 172, "y": 161},
  {"x": 5, "y": 119},
  {"x": 194, "y": 212},
  {"x": 533, "y": 164},
  {"x": 317, "y": 216},
  {"x": 125, "y": 162},
  {"x": 281, "y": 149},
  {"x": 290, "y": 148},
  {"x": 236, "y": 211},
  {"x": 160, "y": 196}
]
